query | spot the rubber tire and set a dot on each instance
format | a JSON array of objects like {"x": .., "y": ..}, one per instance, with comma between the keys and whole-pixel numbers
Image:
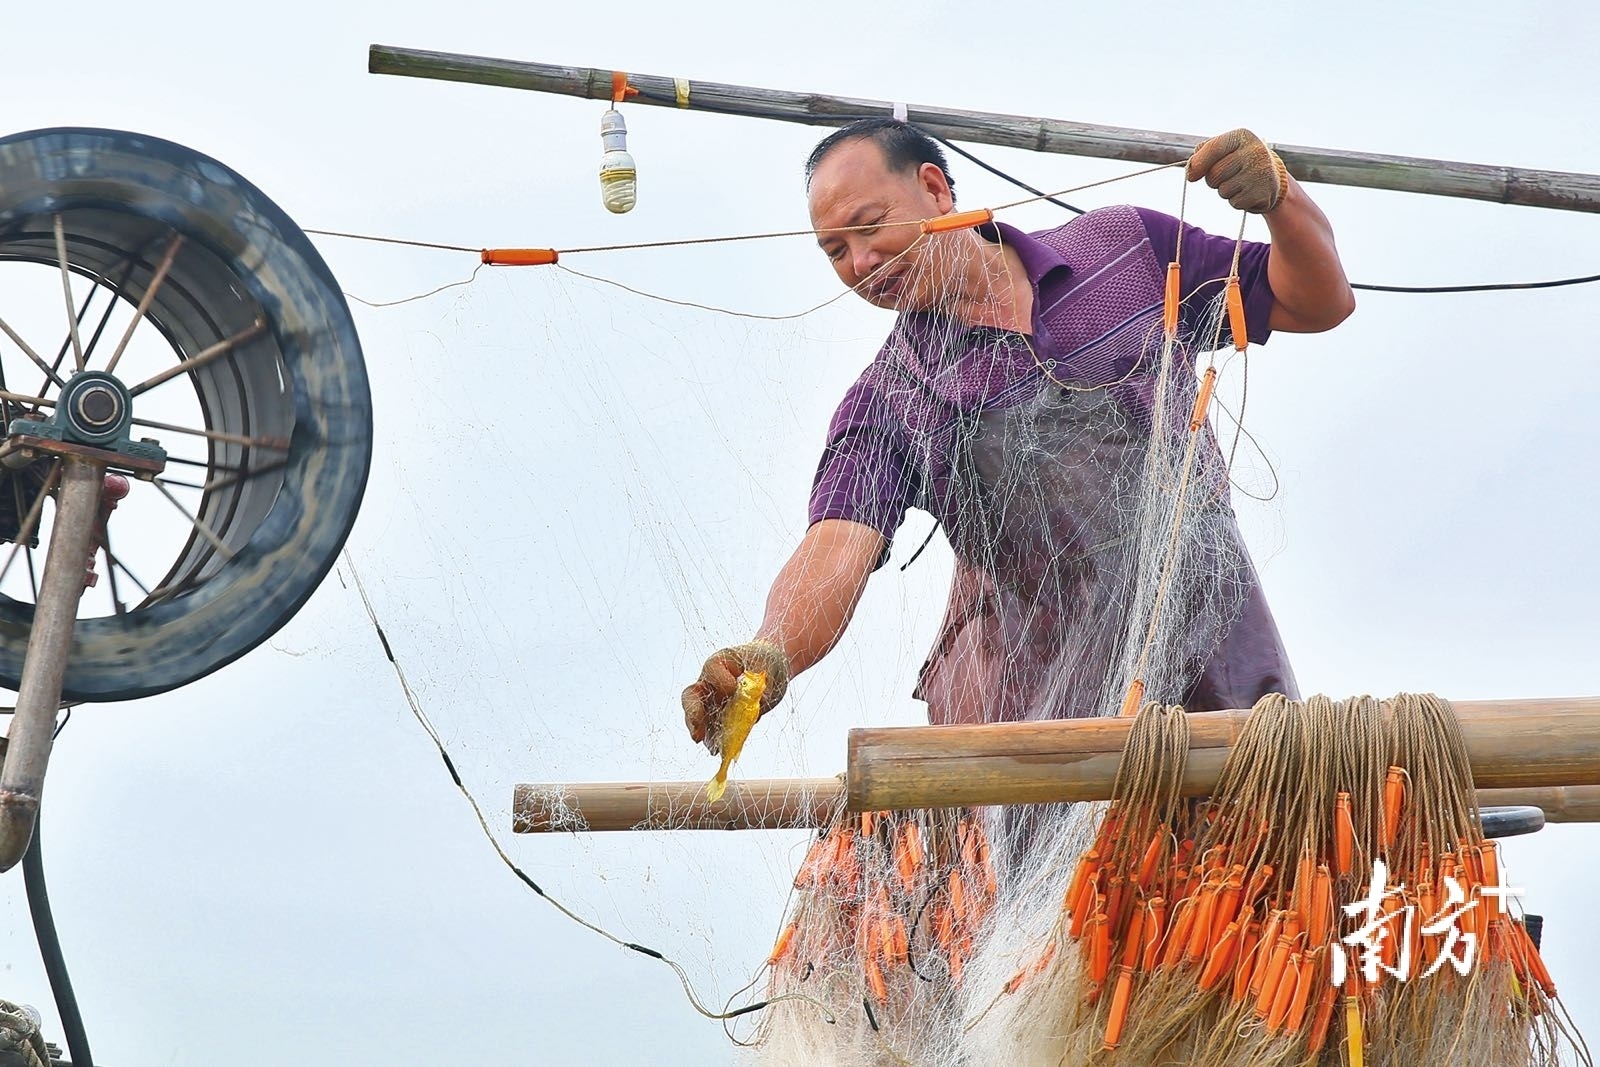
[{"x": 175, "y": 641}]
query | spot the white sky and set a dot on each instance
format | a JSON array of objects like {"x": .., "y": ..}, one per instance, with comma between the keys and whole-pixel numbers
[{"x": 577, "y": 494}]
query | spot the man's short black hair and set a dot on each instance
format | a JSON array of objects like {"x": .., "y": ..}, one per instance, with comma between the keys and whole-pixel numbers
[{"x": 904, "y": 147}]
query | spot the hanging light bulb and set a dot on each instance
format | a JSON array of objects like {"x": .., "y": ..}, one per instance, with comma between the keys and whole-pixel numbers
[{"x": 619, "y": 185}]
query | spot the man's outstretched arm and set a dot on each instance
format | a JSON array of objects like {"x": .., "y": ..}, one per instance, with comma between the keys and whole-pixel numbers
[
  {"x": 808, "y": 608},
  {"x": 817, "y": 591}
]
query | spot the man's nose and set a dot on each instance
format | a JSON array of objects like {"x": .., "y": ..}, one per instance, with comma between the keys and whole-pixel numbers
[{"x": 866, "y": 259}]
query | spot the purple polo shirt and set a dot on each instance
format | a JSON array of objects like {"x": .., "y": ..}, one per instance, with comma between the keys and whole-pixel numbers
[{"x": 1098, "y": 286}]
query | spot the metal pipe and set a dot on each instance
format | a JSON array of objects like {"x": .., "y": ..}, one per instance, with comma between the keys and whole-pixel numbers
[
  {"x": 49, "y": 640},
  {"x": 1562, "y": 190}
]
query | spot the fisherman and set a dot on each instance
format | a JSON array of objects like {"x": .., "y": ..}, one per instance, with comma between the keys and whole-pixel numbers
[{"x": 1013, "y": 401}]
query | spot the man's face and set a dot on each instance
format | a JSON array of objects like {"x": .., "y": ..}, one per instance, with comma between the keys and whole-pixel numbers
[{"x": 853, "y": 186}]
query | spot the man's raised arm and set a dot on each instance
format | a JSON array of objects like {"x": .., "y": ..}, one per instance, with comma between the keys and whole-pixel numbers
[{"x": 1310, "y": 293}]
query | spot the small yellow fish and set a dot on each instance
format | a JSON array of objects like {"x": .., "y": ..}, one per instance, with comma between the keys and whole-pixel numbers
[{"x": 741, "y": 714}]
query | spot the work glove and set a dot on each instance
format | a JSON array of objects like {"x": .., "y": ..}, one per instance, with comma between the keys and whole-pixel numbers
[
  {"x": 1241, "y": 167},
  {"x": 707, "y": 698}
]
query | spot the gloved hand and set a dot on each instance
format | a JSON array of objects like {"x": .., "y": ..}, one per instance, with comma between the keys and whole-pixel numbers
[
  {"x": 1241, "y": 167},
  {"x": 707, "y": 698}
]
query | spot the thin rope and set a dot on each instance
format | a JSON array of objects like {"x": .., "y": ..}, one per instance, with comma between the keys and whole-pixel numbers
[
  {"x": 392, "y": 240},
  {"x": 711, "y": 307},
  {"x": 1092, "y": 185},
  {"x": 483, "y": 824},
  {"x": 468, "y": 280},
  {"x": 731, "y": 238},
  {"x": 1164, "y": 581}
]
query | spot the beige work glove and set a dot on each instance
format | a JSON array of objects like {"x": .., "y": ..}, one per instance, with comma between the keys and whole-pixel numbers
[
  {"x": 1241, "y": 167},
  {"x": 707, "y": 698}
]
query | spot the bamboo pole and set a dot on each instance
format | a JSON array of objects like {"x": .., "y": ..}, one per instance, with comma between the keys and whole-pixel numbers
[
  {"x": 755, "y": 804},
  {"x": 812, "y": 803},
  {"x": 1540, "y": 753},
  {"x": 1560, "y": 803},
  {"x": 1511, "y": 743},
  {"x": 1561, "y": 190}
]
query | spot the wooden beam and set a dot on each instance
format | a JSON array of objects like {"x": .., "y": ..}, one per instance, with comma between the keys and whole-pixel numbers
[
  {"x": 1511, "y": 743},
  {"x": 1562, "y": 190}
]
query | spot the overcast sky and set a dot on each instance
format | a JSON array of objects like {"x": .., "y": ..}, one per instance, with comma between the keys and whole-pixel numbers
[{"x": 578, "y": 493}]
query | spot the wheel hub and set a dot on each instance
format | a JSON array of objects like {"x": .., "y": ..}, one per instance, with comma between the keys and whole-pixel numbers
[{"x": 92, "y": 420}]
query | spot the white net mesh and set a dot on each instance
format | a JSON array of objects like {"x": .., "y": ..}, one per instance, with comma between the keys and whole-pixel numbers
[{"x": 1085, "y": 535}]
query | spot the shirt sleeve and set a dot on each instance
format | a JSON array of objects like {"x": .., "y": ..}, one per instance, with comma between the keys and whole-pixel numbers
[
  {"x": 864, "y": 475},
  {"x": 1205, "y": 262}
]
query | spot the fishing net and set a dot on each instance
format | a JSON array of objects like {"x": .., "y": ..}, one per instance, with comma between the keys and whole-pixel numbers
[{"x": 1082, "y": 559}]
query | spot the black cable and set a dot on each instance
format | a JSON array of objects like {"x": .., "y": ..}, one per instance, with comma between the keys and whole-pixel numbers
[
  {"x": 55, "y": 966},
  {"x": 1487, "y": 287},
  {"x": 998, "y": 173}
]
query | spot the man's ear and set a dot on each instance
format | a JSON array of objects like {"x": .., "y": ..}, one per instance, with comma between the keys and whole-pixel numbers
[{"x": 934, "y": 183}]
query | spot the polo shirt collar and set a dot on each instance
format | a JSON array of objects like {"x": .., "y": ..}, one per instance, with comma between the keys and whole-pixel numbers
[{"x": 1038, "y": 258}]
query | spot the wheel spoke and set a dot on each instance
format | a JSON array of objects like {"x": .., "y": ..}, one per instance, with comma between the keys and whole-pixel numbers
[
  {"x": 22, "y": 401},
  {"x": 205, "y": 531},
  {"x": 280, "y": 444},
  {"x": 66, "y": 288},
  {"x": 33, "y": 576},
  {"x": 200, "y": 359},
  {"x": 16, "y": 495},
  {"x": 116, "y": 564},
  {"x": 28, "y": 351},
  {"x": 185, "y": 461},
  {"x": 66, "y": 342},
  {"x": 237, "y": 475},
  {"x": 111, "y": 570},
  {"x": 128, "y": 263},
  {"x": 233, "y": 476},
  {"x": 25, "y": 400},
  {"x": 31, "y": 521},
  {"x": 144, "y": 303}
]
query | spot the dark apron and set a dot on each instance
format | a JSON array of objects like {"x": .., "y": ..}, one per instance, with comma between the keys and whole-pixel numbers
[{"x": 1046, "y": 611}]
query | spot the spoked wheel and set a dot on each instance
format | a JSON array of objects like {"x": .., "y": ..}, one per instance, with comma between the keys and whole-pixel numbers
[{"x": 153, "y": 301}]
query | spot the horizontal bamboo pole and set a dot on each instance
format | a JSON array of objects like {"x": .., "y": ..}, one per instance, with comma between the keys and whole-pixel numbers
[
  {"x": 1562, "y": 190},
  {"x": 756, "y": 804},
  {"x": 811, "y": 803},
  {"x": 1511, "y": 743},
  {"x": 1560, "y": 803},
  {"x": 1537, "y": 753}
]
